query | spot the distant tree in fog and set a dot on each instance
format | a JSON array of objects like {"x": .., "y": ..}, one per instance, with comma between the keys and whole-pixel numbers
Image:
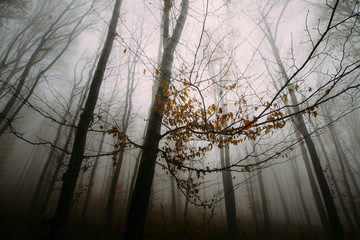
[
  {"x": 10, "y": 9},
  {"x": 28, "y": 53}
]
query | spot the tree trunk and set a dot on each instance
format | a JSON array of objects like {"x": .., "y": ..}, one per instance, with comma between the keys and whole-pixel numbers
[
  {"x": 314, "y": 189},
  {"x": 61, "y": 158},
  {"x": 332, "y": 213},
  {"x": 251, "y": 197},
  {"x": 173, "y": 201},
  {"x": 124, "y": 126},
  {"x": 263, "y": 200},
  {"x": 230, "y": 208},
  {"x": 336, "y": 185},
  {"x": 110, "y": 203},
  {"x": 142, "y": 190},
  {"x": 341, "y": 158},
  {"x": 91, "y": 179},
  {"x": 282, "y": 198},
  {"x": 71, "y": 175},
  {"x": 298, "y": 185}
]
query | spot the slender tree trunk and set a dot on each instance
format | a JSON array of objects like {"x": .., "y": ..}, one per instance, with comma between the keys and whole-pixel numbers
[
  {"x": 298, "y": 185},
  {"x": 60, "y": 160},
  {"x": 315, "y": 191},
  {"x": 35, "y": 199},
  {"x": 71, "y": 175},
  {"x": 91, "y": 179},
  {"x": 59, "y": 165},
  {"x": 124, "y": 126},
  {"x": 282, "y": 198},
  {"x": 252, "y": 202},
  {"x": 334, "y": 219},
  {"x": 341, "y": 158},
  {"x": 50, "y": 157},
  {"x": 336, "y": 185},
  {"x": 332, "y": 213},
  {"x": 142, "y": 190},
  {"x": 263, "y": 201},
  {"x": 111, "y": 199},
  {"x": 173, "y": 201},
  {"x": 230, "y": 208}
]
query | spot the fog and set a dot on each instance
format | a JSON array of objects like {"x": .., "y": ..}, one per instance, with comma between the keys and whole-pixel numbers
[{"x": 179, "y": 119}]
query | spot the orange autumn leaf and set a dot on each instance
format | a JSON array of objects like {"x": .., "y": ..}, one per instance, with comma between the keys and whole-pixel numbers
[{"x": 247, "y": 125}]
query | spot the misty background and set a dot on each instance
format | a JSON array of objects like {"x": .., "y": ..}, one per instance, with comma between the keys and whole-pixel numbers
[{"x": 251, "y": 106}]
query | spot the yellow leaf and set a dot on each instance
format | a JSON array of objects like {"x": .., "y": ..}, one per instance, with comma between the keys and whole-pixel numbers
[
  {"x": 213, "y": 107},
  {"x": 124, "y": 50},
  {"x": 310, "y": 89},
  {"x": 285, "y": 98},
  {"x": 144, "y": 71},
  {"x": 247, "y": 168},
  {"x": 327, "y": 91},
  {"x": 157, "y": 71}
]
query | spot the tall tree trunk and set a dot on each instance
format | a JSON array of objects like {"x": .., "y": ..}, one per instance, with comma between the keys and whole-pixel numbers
[
  {"x": 124, "y": 126},
  {"x": 173, "y": 201},
  {"x": 341, "y": 158},
  {"x": 263, "y": 199},
  {"x": 111, "y": 199},
  {"x": 282, "y": 198},
  {"x": 91, "y": 179},
  {"x": 230, "y": 208},
  {"x": 314, "y": 189},
  {"x": 60, "y": 160},
  {"x": 298, "y": 185},
  {"x": 336, "y": 185},
  {"x": 71, "y": 175},
  {"x": 142, "y": 190},
  {"x": 252, "y": 202},
  {"x": 34, "y": 202},
  {"x": 334, "y": 219}
]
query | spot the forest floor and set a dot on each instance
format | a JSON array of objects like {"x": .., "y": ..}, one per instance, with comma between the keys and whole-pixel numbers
[{"x": 29, "y": 227}]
